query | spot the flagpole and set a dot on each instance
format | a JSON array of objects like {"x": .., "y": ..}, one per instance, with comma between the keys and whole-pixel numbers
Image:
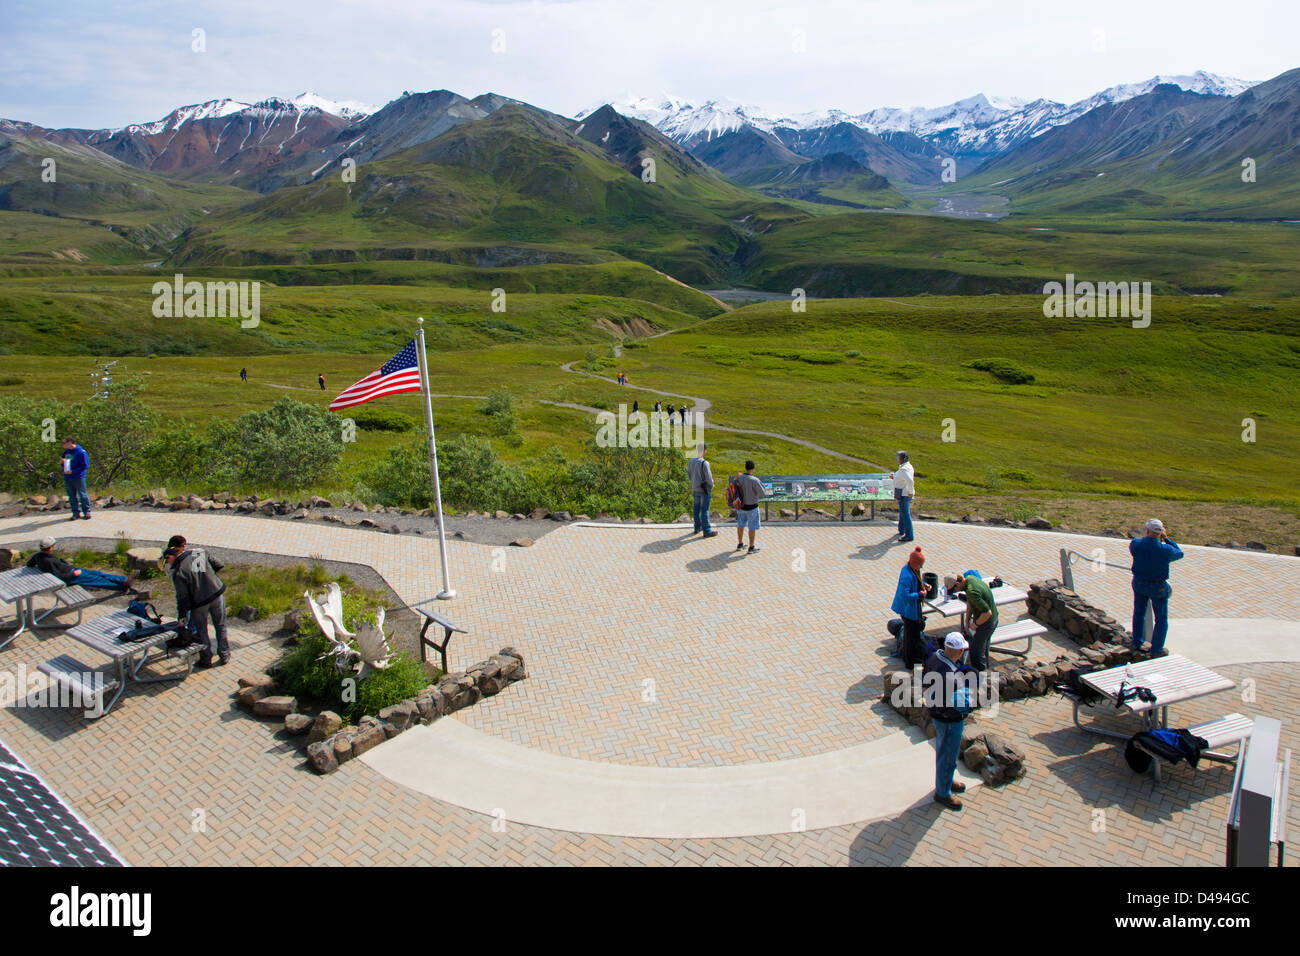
[{"x": 446, "y": 594}]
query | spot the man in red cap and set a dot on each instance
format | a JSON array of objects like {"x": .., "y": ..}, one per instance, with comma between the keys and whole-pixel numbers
[{"x": 907, "y": 605}]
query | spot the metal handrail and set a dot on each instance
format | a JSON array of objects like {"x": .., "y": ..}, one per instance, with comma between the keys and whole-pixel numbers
[{"x": 1067, "y": 562}]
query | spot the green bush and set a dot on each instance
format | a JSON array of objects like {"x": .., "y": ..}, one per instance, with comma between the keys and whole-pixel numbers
[
  {"x": 289, "y": 445},
  {"x": 500, "y": 408},
  {"x": 1018, "y": 474},
  {"x": 1004, "y": 370},
  {"x": 382, "y": 420},
  {"x": 852, "y": 353}
]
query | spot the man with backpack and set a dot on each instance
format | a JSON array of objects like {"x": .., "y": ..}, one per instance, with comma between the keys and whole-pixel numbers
[
  {"x": 946, "y": 696},
  {"x": 199, "y": 596},
  {"x": 744, "y": 492},
  {"x": 701, "y": 478}
]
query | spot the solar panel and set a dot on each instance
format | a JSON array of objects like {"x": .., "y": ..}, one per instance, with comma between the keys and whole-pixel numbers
[{"x": 39, "y": 829}]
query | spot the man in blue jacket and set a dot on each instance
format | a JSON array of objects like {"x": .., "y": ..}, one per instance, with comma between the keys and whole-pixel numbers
[
  {"x": 75, "y": 464},
  {"x": 907, "y": 605},
  {"x": 1152, "y": 555}
]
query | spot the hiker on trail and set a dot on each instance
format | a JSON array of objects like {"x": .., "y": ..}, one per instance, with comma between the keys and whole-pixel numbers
[
  {"x": 944, "y": 691},
  {"x": 672, "y": 410},
  {"x": 909, "y": 594},
  {"x": 1152, "y": 555},
  {"x": 321, "y": 380},
  {"x": 659, "y": 407},
  {"x": 683, "y": 411},
  {"x": 46, "y": 560},
  {"x": 701, "y": 478},
  {"x": 636, "y": 406},
  {"x": 904, "y": 489},
  {"x": 980, "y": 619},
  {"x": 199, "y": 596},
  {"x": 243, "y": 374},
  {"x": 75, "y": 463},
  {"x": 744, "y": 494}
]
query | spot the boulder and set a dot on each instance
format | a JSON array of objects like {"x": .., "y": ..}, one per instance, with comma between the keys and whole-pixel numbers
[
  {"x": 293, "y": 620},
  {"x": 562, "y": 516},
  {"x": 368, "y": 523},
  {"x": 368, "y": 738},
  {"x": 138, "y": 559},
  {"x": 501, "y": 514},
  {"x": 251, "y": 696},
  {"x": 683, "y": 518},
  {"x": 522, "y": 543},
  {"x": 332, "y": 519},
  {"x": 341, "y": 744},
  {"x": 1039, "y": 523},
  {"x": 538, "y": 514},
  {"x": 431, "y": 704},
  {"x": 1256, "y": 546},
  {"x": 278, "y": 706},
  {"x": 326, "y": 724},
  {"x": 297, "y": 724},
  {"x": 257, "y": 680},
  {"x": 400, "y": 715},
  {"x": 517, "y": 517},
  {"x": 358, "y": 506},
  {"x": 299, "y": 514},
  {"x": 320, "y": 755},
  {"x": 318, "y": 502},
  {"x": 247, "y": 613}
]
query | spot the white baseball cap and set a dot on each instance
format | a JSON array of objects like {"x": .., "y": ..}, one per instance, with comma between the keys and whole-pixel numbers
[
  {"x": 48, "y": 542},
  {"x": 1155, "y": 524},
  {"x": 955, "y": 642}
]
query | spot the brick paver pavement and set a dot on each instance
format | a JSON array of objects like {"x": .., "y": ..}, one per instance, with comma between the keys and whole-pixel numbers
[{"x": 775, "y": 662}]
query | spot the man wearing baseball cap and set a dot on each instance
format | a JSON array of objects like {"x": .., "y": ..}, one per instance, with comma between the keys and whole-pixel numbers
[
  {"x": 49, "y": 562},
  {"x": 199, "y": 596},
  {"x": 942, "y": 682},
  {"x": 1152, "y": 554}
]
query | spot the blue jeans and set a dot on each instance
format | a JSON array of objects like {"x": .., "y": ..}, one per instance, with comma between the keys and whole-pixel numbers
[
  {"x": 947, "y": 743},
  {"x": 700, "y": 511},
  {"x": 1157, "y": 592},
  {"x": 905, "y": 517},
  {"x": 78, "y": 500},
  {"x": 99, "y": 579}
]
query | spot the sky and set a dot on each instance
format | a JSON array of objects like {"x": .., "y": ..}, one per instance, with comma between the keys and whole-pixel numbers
[{"x": 87, "y": 63}]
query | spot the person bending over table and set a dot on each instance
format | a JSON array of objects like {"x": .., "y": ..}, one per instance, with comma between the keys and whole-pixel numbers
[
  {"x": 46, "y": 560},
  {"x": 980, "y": 619}
]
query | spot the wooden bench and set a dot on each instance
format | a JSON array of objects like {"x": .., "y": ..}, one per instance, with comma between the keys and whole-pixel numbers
[
  {"x": 1023, "y": 630},
  {"x": 1220, "y": 732},
  {"x": 69, "y": 673},
  {"x": 70, "y": 598}
]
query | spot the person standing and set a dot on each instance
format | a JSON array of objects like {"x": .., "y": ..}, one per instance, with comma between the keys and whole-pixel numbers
[
  {"x": 980, "y": 619},
  {"x": 751, "y": 493},
  {"x": 701, "y": 478},
  {"x": 199, "y": 596},
  {"x": 942, "y": 686},
  {"x": 904, "y": 489},
  {"x": 243, "y": 374},
  {"x": 321, "y": 381},
  {"x": 636, "y": 406},
  {"x": 908, "y": 595},
  {"x": 1152, "y": 555},
  {"x": 49, "y": 562},
  {"x": 682, "y": 410},
  {"x": 75, "y": 464},
  {"x": 658, "y": 407}
]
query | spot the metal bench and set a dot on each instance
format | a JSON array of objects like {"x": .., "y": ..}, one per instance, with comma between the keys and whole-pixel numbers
[
  {"x": 1220, "y": 732},
  {"x": 448, "y": 630},
  {"x": 71, "y": 598},
  {"x": 1023, "y": 630},
  {"x": 71, "y": 674}
]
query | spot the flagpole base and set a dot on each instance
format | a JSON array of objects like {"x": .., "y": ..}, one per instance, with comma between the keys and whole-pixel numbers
[{"x": 446, "y": 595}]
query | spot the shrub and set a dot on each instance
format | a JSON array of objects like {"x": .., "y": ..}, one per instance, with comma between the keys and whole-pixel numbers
[
  {"x": 500, "y": 408},
  {"x": 1004, "y": 370},
  {"x": 383, "y": 420},
  {"x": 1018, "y": 474},
  {"x": 852, "y": 353},
  {"x": 290, "y": 445}
]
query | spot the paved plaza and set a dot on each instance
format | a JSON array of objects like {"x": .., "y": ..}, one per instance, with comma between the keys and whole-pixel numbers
[{"x": 745, "y": 687}]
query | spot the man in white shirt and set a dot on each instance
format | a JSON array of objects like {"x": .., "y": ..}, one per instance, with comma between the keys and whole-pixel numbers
[{"x": 904, "y": 489}]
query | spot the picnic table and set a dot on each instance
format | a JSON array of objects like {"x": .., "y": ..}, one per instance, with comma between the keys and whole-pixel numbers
[
  {"x": 18, "y": 587},
  {"x": 1003, "y": 595},
  {"x": 131, "y": 657},
  {"x": 1173, "y": 679}
]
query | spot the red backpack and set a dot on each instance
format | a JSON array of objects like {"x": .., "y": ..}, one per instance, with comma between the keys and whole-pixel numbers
[{"x": 734, "y": 499}]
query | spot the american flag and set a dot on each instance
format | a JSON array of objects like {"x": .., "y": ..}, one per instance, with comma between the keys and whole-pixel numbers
[{"x": 401, "y": 373}]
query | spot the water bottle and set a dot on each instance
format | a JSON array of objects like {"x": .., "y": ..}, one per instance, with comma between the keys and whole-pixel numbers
[
  {"x": 943, "y": 593},
  {"x": 1128, "y": 673}
]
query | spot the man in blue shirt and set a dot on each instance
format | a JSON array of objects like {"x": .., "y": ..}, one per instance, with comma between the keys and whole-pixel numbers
[
  {"x": 1152, "y": 555},
  {"x": 75, "y": 463}
]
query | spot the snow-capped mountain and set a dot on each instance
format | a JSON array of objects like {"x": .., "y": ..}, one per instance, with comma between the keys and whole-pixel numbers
[
  {"x": 976, "y": 127},
  {"x": 215, "y": 109}
]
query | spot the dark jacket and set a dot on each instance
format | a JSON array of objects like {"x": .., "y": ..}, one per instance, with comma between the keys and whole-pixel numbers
[
  {"x": 194, "y": 575},
  {"x": 53, "y": 564},
  {"x": 940, "y": 705}
]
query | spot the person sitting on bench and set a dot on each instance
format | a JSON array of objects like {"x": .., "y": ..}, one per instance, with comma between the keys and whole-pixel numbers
[{"x": 46, "y": 560}]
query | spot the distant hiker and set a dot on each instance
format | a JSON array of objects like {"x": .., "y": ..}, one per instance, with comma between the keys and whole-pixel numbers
[
  {"x": 635, "y": 406},
  {"x": 980, "y": 619},
  {"x": 75, "y": 463},
  {"x": 659, "y": 407},
  {"x": 1152, "y": 555},
  {"x": 944, "y": 691},
  {"x": 904, "y": 489},
  {"x": 744, "y": 492},
  {"x": 46, "y": 560},
  {"x": 321, "y": 380},
  {"x": 701, "y": 478},
  {"x": 243, "y": 374},
  {"x": 199, "y": 596},
  {"x": 909, "y": 594},
  {"x": 672, "y": 410},
  {"x": 683, "y": 413}
]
